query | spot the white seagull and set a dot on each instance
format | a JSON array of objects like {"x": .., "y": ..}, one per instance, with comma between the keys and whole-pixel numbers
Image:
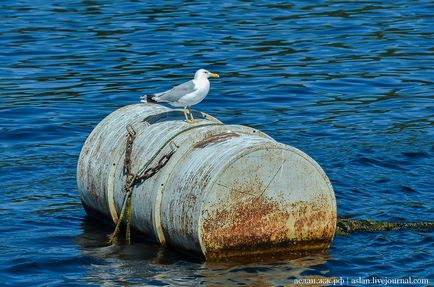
[{"x": 186, "y": 94}]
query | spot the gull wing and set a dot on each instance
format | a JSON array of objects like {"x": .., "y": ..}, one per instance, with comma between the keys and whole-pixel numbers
[{"x": 174, "y": 94}]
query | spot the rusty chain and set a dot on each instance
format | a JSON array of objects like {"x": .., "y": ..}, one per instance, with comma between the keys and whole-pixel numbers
[
  {"x": 128, "y": 149},
  {"x": 144, "y": 173},
  {"x": 153, "y": 170},
  {"x": 132, "y": 180}
]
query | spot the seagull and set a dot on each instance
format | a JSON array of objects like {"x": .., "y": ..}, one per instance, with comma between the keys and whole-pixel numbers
[{"x": 185, "y": 95}]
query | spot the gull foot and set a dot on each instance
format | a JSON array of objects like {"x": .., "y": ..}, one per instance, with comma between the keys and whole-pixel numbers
[{"x": 192, "y": 121}]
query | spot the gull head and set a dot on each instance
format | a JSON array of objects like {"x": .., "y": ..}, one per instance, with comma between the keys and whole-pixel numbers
[{"x": 202, "y": 73}]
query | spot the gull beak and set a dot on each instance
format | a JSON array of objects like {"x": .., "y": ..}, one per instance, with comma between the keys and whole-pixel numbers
[{"x": 213, "y": 75}]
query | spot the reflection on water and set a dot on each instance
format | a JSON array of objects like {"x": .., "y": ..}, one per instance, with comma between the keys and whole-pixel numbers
[
  {"x": 146, "y": 262},
  {"x": 348, "y": 82}
]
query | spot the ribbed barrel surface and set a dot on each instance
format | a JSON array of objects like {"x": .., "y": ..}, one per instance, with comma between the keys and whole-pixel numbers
[{"x": 228, "y": 190}]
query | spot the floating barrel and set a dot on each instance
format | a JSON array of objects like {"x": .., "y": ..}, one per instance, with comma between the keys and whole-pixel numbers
[{"x": 227, "y": 190}]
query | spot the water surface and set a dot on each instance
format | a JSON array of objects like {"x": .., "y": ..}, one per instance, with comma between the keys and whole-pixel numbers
[{"x": 350, "y": 83}]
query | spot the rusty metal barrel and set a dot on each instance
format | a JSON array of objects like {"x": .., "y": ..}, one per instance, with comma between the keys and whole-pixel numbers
[{"x": 227, "y": 190}]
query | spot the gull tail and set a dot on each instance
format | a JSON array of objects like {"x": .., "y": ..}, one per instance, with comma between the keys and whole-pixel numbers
[{"x": 148, "y": 99}]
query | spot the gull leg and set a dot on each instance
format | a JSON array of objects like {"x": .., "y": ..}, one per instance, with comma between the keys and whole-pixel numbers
[
  {"x": 191, "y": 115},
  {"x": 185, "y": 114}
]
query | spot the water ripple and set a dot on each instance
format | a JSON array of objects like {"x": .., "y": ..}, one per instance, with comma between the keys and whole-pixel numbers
[{"x": 350, "y": 83}]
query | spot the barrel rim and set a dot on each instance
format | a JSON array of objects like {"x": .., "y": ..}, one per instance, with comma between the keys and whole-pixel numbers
[{"x": 264, "y": 146}]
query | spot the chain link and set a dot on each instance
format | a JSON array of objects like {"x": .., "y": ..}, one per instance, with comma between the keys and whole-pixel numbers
[
  {"x": 128, "y": 149},
  {"x": 153, "y": 170},
  {"x": 132, "y": 180}
]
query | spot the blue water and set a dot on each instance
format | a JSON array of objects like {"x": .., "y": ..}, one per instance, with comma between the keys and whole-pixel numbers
[{"x": 348, "y": 82}]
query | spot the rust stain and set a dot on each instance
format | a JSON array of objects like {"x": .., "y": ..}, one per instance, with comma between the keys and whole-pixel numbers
[
  {"x": 314, "y": 220},
  {"x": 262, "y": 226},
  {"x": 216, "y": 139}
]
